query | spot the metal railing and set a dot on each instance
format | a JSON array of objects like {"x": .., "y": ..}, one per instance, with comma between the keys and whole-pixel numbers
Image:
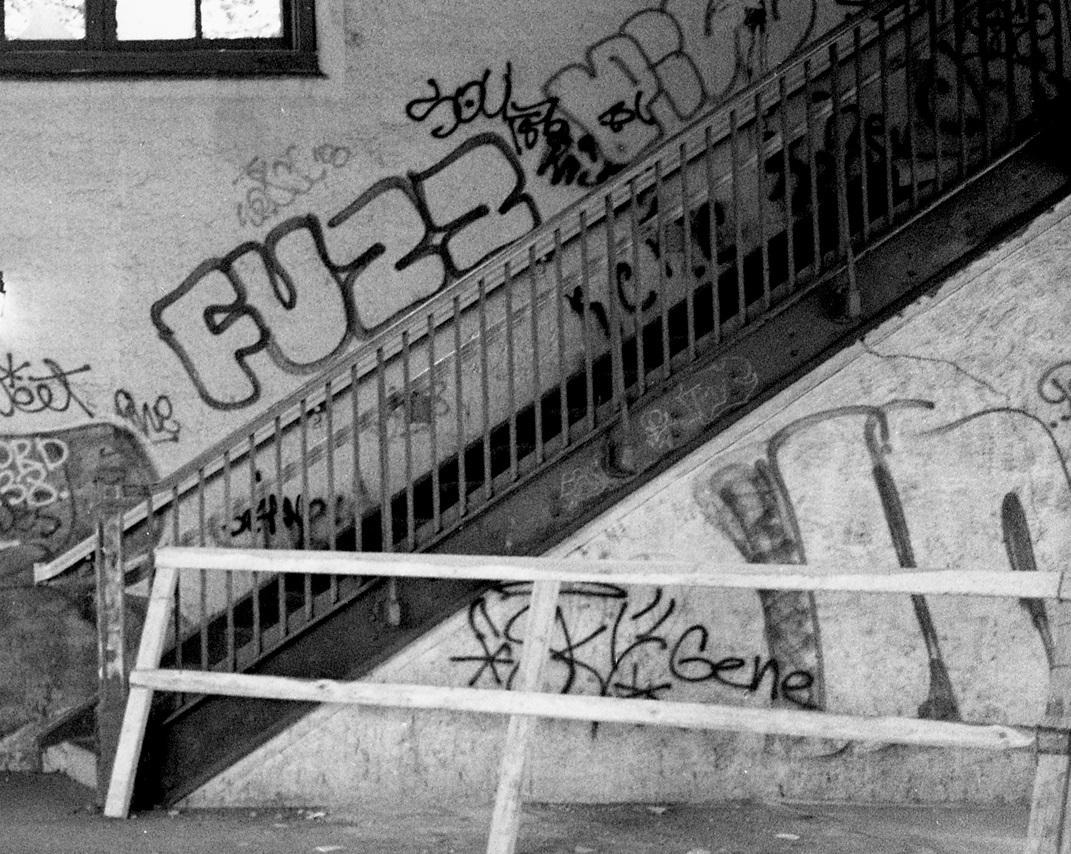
[{"x": 775, "y": 193}]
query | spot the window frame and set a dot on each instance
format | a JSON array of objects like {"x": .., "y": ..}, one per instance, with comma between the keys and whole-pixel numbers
[{"x": 102, "y": 54}]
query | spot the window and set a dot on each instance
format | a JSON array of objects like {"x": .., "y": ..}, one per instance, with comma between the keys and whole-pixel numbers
[{"x": 62, "y": 38}]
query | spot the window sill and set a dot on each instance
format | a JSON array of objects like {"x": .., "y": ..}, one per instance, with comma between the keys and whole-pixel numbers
[{"x": 186, "y": 64}]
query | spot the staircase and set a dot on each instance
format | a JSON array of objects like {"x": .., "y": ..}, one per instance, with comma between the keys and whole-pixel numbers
[{"x": 531, "y": 395}]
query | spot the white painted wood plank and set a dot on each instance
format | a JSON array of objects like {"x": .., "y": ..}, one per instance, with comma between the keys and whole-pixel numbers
[
  {"x": 863, "y": 578},
  {"x": 136, "y": 716},
  {"x": 506, "y": 816},
  {"x": 592, "y": 708}
]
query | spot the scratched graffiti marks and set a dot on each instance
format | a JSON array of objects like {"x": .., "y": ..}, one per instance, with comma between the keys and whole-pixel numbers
[
  {"x": 50, "y": 483},
  {"x": 156, "y": 422},
  {"x": 397, "y": 243},
  {"x": 273, "y": 183},
  {"x": 27, "y": 390},
  {"x": 615, "y": 646},
  {"x": 725, "y": 385},
  {"x": 1054, "y": 387}
]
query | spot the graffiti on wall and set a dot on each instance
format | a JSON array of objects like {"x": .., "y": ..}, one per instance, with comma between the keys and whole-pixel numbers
[
  {"x": 156, "y": 422},
  {"x": 619, "y": 646},
  {"x": 632, "y": 87},
  {"x": 399, "y": 242},
  {"x": 1054, "y": 387},
  {"x": 273, "y": 183},
  {"x": 50, "y": 483},
  {"x": 26, "y": 389},
  {"x": 751, "y": 504}
]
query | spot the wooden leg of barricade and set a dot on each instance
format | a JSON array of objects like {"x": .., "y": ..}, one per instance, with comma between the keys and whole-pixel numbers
[
  {"x": 139, "y": 700},
  {"x": 506, "y": 817},
  {"x": 1048, "y": 831}
]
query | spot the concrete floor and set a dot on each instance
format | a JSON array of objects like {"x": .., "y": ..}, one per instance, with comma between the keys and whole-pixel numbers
[{"x": 49, "y": 814}]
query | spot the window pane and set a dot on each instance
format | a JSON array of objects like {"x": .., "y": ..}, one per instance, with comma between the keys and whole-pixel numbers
[
  {"x": 45, "y": 19},
  {"x": 241, "y": 19},
  {"x": 154, "y": 19}
]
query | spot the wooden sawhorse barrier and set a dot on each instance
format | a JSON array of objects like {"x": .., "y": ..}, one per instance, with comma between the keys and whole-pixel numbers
[{"x": 1048, "y": 833}]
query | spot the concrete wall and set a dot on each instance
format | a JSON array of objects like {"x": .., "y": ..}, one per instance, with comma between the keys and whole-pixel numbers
[
  {"x": 124, "y": 202},
  {"x": 974, "y": 390}
]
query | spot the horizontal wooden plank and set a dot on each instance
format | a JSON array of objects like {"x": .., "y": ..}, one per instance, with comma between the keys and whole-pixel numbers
[
  {"x": 703, "y": 716},
  {"x": 862, "y": 578}
]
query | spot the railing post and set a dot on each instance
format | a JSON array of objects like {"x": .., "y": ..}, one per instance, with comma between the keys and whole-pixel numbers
[
  {"x": 506, "y": 818},
  {"x": 111, "y": 636},
  {"x": 1049, "y": 830}
]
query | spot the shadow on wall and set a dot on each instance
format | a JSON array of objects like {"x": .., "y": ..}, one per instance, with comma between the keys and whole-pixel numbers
[{"x": 50, "y": 484}]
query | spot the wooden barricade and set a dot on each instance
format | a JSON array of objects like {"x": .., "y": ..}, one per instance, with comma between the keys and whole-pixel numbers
[{"x": 1048, "y": 831}]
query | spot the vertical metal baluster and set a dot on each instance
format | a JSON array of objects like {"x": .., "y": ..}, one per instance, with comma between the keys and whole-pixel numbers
[
  {"x": 228, "y": 577},
  {"x": 176, "y": 538},
  {"x": 712, "y": 223},
  {"x": 537, "y": 383},
  {"x": 844, "y": 226},
  {"x": 935, "y": 101},
  {"x": 986, "y": 87},
  {"x": 559, "y": 300},
  {"x": 485, "y": 395},
  {"x": 886, "y": 120},
  {"x": 638, "y": 294},
  {"x": 271, "y": 512},
  {"x": 330, "y": 518},
  {"x": 663, "y": 295},
  {"x": 786, "y": 177},
  {"x": 961, "y": 93},
  {"x": 459, "y": 412},
  {"x": 734, "y": 155},
  {"x": 812, "y": 168},
  {"x": 686, "y": 237},
  {"x": 760, "y": 197},
  {"x": 433, "y": 432},
  {"x": 202, "y": 542},
  {"x": 1010, "y": 49},
  {"x": 357, "y": 481},
  {"x": 864, "y": 148},
  {"x": 617, "y": 367},
  {"x": 407, "y": 412},
  {"x": 511, "y": 365},
  {"x": 304, "y": 501},
  {"x": 303, "y": 510},
  {"x": 909, "y": 103},
  {"x": 153, "y": 525},
  {"x": 585, "y": 323},
  {"x": 386, "y": 517},
  {"x": 1057, "y": 39},
  {"x": 1035, "y": 54},
  {"x": 329, "y": 454},
  {"x": 252, "y": 454}
]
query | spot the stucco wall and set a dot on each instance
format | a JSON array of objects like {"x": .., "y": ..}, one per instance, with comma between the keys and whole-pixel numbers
[
  {"x": 972, "y": 384},
  {"x": 125, "y": 201}
]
